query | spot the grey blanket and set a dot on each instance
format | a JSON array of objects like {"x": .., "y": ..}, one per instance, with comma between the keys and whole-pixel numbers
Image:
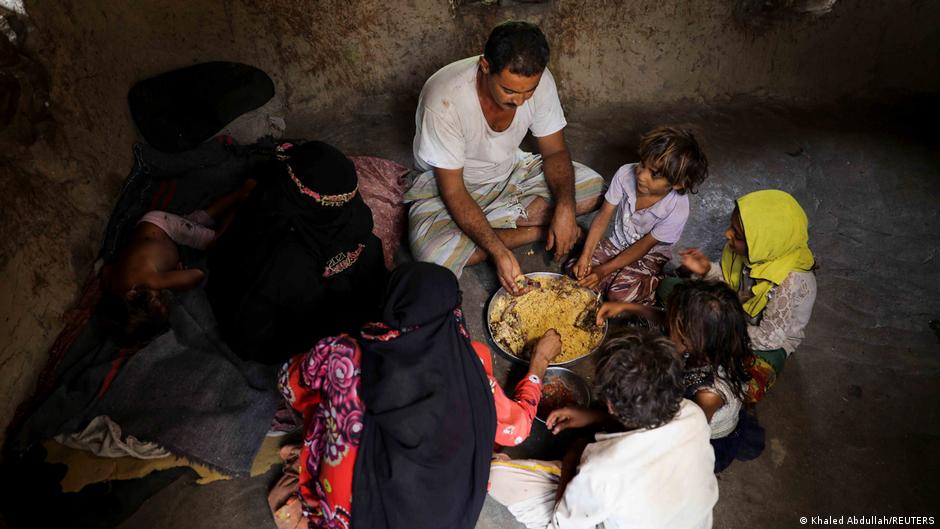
[
  {"x": 185, "y": 390},
  {"x": 188, "y": 392}
]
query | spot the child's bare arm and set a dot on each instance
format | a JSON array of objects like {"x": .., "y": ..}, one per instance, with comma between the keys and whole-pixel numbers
[
  {"x": 180, "y": 279},
  {"x": 223, "y": 206},
  {"x": 709, "y": 402},
  {"x": 634, "y": 253},
  {"x": 598, "y": 226},
  {"x": 574, "y": 417},
  {"x": 614, "y": 308}
]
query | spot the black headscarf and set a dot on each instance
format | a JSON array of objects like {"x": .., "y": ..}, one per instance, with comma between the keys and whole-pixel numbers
[
  {"x": 430, "y": 421},
  {"x": 266, "y": 273},
  {"x": 278, "y": 205}
]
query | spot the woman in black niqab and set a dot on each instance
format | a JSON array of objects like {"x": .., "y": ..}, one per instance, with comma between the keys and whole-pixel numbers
[
  {"x": 299, "y": 261},
  {"x": 429, "y": 426}
]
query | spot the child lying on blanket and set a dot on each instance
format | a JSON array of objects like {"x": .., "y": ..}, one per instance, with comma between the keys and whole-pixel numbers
[{"x": 133, "y": 306}]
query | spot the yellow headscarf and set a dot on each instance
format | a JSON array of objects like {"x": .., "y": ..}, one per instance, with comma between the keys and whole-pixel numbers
[{"x": 777, "y": 234}]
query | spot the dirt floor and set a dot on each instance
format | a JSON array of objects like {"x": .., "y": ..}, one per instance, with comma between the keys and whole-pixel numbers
[{"x": 853, "y": 425}]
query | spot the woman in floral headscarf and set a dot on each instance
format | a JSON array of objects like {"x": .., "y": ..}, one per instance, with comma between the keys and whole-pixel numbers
[
  {"x": 399, "y": 426},
  {"x": 299, "y": 261}
]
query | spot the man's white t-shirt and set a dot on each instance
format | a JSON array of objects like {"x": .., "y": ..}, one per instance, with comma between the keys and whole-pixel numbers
[{"x": 452, "y": 133}]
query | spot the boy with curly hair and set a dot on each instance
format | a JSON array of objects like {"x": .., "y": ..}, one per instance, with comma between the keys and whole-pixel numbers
[
  {"x": 653, "y": 470},
  {"x": 648, "y": 203}
]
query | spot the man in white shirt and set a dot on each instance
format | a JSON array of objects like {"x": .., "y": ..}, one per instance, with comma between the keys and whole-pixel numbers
[{"x": 479, "y": 195}]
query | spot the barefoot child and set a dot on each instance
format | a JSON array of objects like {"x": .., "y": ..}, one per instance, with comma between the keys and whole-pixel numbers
[
  {"x": 767, "y": 261},
  {"x": 649, "y": 205},
  {"x": 655, "y": 468},
  {"x": 133, "y": 306}
]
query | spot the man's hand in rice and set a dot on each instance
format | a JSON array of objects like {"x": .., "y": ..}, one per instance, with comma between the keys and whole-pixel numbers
[{"x": 507, "y": 270}]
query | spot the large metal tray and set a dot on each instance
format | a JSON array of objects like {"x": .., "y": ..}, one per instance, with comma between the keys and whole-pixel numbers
[{"x": 507, "y": 354}]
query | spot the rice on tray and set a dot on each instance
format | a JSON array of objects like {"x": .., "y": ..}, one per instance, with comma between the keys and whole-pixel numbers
[{"x": 518, "y": 323}]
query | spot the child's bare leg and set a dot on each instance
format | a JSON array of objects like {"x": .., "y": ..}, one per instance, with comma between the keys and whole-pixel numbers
[
  {"x": 540, "y": 213},
  {"x": 512, "y": 238}
]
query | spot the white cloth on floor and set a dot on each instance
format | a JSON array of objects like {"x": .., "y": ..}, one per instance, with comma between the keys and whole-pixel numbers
[
  {"x": 103, "y": 438},
  {"x": 527, "y": 488}
]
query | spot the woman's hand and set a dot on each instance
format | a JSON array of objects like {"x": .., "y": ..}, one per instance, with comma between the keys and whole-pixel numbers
[
  {"x": 572, "y": 417},
  {"x": 546, "y": 349},
  {"x": 695, "y": 261}
]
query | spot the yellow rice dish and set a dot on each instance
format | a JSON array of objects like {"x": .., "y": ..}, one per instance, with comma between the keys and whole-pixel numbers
[{"x": 518, "y": 323}]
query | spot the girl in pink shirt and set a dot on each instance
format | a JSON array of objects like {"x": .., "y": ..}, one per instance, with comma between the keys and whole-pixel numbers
[{"x": 650, "y": 205}]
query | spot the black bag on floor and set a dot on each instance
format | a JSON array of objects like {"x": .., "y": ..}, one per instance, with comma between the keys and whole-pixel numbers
[{"x": 178, "y": 110}]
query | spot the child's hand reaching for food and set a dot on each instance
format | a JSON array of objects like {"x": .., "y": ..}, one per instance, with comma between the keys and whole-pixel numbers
[
  {"x": 590, "y": 281},
  {"x": 611, "y": 309},
  {"x": 572, "y": 417},
  {"x": 695, "y": 261},
  {"x": 582, "y": 267}
]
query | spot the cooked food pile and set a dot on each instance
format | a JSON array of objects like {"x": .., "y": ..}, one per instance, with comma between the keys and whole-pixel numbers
[
  {"x": 557, "y": 303},
  {"x": 555, "y": 394}
]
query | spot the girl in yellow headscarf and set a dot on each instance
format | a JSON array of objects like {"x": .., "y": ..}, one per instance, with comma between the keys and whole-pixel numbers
[{"x": 767, "y": 260}]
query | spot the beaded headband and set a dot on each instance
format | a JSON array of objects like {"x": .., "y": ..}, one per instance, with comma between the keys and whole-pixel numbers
[{"x": 323, "y": 200}]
